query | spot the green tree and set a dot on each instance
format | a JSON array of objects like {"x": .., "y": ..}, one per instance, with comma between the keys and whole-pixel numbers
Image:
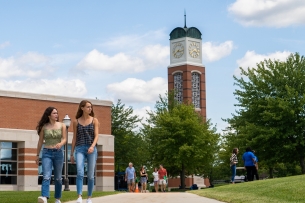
[
  {"x": 129, "y": 144},
  {"x": 271, "y": 114},
  {"x": 180, "y": 139}
]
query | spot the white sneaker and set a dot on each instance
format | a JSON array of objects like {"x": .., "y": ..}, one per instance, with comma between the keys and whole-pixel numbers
[
  {"x": 89, "y": 200},
  {"x": 42, "y": 200},
  {"x": 79, "y": 200},
  {"x": 57, "y": 201}
]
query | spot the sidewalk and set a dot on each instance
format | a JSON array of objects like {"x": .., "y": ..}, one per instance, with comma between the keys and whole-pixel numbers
[{"x": 168, "y": 197}]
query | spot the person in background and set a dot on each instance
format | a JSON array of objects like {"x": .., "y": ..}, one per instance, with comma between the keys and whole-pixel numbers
[
  {"x": 85, "y": 137},
  {"x": 130, "y": 177},
  {"x": 143, "y": 175},
  {"x": 156, "y": 179},
  {"x": 256, "y": 166},
  {"x": 162, "y": 177},
  {"x": 54, "y": 134},
  {"x": 249, "y": 163},
  {"x": 233, "y": 163}
]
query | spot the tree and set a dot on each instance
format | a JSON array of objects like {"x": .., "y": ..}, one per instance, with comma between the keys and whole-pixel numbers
[
  {"x": 180, "y": 139},
  {"x": 271, "y": 115},
  {"x": 129, "y": 145}
]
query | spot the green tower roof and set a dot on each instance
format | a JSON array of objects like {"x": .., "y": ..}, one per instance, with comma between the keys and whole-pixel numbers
[{"x": 180, "y": 32}]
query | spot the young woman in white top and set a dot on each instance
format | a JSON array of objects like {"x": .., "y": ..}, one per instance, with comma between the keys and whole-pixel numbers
[{"x": 156, "y": 179}]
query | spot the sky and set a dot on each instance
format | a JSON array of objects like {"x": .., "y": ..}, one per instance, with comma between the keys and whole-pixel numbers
[{"x": 110, "y": 50}]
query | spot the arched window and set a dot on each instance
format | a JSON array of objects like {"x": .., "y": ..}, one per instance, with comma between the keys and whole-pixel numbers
[
  {"x": 196, "y": 89},
  {"x": 178, "y": 87}
]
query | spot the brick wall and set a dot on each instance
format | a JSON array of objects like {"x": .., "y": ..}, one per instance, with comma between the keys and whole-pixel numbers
[
  {"x": 22, "y": 113},
  {"x": 187, "y": 83}
]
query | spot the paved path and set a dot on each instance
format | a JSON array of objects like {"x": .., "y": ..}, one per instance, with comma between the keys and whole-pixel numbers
[{"x": 170, "y": 197}]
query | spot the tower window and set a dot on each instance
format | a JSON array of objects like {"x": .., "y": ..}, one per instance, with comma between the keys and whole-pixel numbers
[
  {"x": 196, "y": 89},
  {"x": 178, "y": 86}
]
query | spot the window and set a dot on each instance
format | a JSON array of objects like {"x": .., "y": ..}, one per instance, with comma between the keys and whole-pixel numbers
[
  {"x": 196, "y": 89},
  {"x": 178, "y": 87},
  {"x": 8, "y": 163}
]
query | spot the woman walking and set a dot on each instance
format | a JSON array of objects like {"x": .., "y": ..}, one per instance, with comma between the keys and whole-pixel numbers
[
  {"x": 54, "y": 134},
  {"x": 85, "y": 137},
  {"x": 156, "y": 179},
  {"x": 233, "y": 162},
  {"x": 143, "y": 175}
]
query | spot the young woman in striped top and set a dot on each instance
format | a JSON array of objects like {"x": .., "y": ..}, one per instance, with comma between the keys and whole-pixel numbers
[
  {"x": 84, "y": 141},
  {"x": 233, "y": 162}
]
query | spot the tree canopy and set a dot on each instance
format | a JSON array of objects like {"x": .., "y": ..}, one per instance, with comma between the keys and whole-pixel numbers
[
  {"x": 271, "y": 114},
  {"x": 180, "y": 139}
]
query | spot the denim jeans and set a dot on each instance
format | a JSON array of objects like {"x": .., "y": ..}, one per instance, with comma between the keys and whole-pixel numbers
[
  {"x": 233, "y": 169},
  {"x": 55, "y": 158},
  {"x": 81, "y": 153}
]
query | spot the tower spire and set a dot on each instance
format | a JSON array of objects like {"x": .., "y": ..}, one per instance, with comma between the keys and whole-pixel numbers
[{"x": 184, "y": 19}]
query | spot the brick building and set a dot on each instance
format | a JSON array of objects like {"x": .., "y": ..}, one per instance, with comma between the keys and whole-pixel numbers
[{"x": 19, "y": 114}]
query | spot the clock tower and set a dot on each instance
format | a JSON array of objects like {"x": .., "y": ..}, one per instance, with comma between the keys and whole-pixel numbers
[{"x": 186, "y": 73}]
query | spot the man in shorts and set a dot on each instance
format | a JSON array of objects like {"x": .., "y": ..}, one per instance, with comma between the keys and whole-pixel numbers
[
  {"x": 162, "y": 178},
  {"x": 130, "y": 176}
]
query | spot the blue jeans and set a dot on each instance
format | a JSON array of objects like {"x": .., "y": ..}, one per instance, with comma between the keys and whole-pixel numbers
[
  {"x": 55, "y": 158},
  {"x": 81, "y": 153},
  {"x": 233, "y": 169}
]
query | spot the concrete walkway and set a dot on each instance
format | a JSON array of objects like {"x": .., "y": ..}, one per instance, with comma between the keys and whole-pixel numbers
[{"x": 169, "y": 197}]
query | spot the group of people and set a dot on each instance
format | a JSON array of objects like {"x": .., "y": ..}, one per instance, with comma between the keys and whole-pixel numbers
[
  {"x": 160, "y": 177},
  {"x": 53, "y": 135},
  {"x": 250, "y": 164}
]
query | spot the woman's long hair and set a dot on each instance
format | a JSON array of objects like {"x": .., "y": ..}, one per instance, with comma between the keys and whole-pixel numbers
[
  {"x": 234, "y": 151},
  {"x": 44, "y": 119},
  {"x": 79, "y": 112}
]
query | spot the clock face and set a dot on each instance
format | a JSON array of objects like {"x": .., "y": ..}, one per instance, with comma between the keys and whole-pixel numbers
[
  {"x": 178, "y": 50},
  {"x": 194, "y": 50}
]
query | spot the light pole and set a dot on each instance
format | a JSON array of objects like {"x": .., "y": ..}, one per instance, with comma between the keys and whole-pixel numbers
[{"x": 67, "y": 122}]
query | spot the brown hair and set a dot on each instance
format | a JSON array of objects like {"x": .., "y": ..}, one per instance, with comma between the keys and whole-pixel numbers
[
  {"x": 235, "y": 151},
  {"x": 79, "y": 112},
  {"x": 45, "y": 118}
]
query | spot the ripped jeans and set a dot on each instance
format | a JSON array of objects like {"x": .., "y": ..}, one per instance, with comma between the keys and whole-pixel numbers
[{"x": 55, "y": 158}]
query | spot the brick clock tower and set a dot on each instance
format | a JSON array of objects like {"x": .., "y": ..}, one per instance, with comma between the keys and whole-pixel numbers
[{"x": 186, "y": 73}]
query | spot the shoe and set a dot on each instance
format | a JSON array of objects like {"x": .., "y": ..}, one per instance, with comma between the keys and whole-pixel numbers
[
  {"x": 57, "y": 201},
  {"x": 42, "y": 200},
  {"x": 79, "y": 200},
  {"x": 89, "y": 200}
]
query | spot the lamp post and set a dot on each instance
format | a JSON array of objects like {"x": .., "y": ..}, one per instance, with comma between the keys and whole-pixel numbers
[{"x": 67, "y": 122}]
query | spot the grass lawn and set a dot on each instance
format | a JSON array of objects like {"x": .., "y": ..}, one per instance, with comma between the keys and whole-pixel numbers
[
  {"x": 278, "y": 190},
  {"x": 31, "y": 196}
]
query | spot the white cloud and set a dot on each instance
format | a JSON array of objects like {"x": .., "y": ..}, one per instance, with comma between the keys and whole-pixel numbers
[
  {"x": 142, "y": 112},
  {"x": 148, "y": 57},
  {"x": 132, "y": 43},
  {"x": 73, "y": 88},
  {"x": 30, "y": 65},
  {"x": 95, "y": 60},
  {"x": 251, "y": 59},
  {"x": 4, "y": 44},
  {"x": 137, "y": 90},
  {"x": 272, "y": 13},
  {"x": 214, "y": 52}
]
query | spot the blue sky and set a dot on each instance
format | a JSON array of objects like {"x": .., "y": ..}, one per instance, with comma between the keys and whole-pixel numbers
[{"x": 120, "y": 49}]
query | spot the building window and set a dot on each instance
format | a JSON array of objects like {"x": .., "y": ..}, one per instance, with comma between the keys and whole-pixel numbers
[
  {"x": 196, "y": 89},
  {"x": 178, "y": 87},
  {"x": 72, "y": 172},
  {"x": 8, "y": 163}
]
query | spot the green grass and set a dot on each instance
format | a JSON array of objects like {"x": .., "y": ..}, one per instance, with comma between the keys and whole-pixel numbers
[
  {"x": 31, "y": 196},
  {"x": 279, "y": 190}
]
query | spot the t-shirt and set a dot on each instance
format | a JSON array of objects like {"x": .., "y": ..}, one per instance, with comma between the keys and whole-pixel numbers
[
  {"x": 130, "y": 173},
  {"x": 162, "y": 173},
  {"x": 248, "y": 158},
  {"x": 156, "y": 176}
]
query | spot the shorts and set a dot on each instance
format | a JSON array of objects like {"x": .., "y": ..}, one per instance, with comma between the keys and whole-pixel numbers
[
  {"x": 162, "y": 182},
  {"x": 143, "y": 180},
  {"x": 130, "y": 181}
]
